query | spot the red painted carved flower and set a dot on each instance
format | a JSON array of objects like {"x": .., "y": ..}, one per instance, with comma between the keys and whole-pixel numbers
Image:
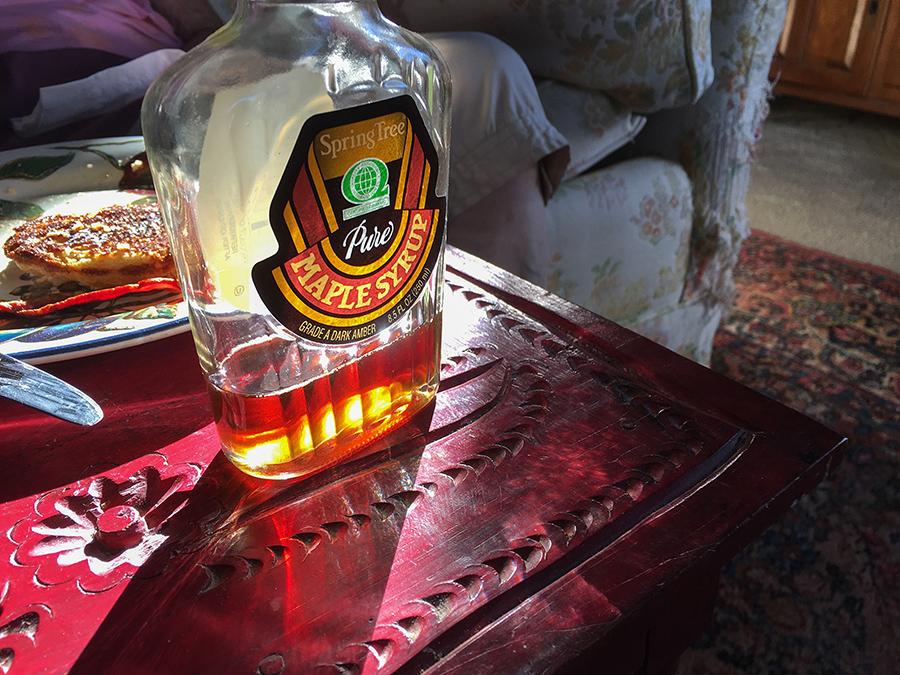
[{"x": 100, "y": 531}]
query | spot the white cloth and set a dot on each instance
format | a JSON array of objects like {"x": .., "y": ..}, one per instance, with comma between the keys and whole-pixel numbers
[
  {"x": 594, "y": 124},
  {"x": 499, "y": 128},
  {"x": 100, "y": 93}
]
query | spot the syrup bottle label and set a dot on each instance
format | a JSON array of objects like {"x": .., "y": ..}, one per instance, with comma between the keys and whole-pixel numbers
[{"x": 358, "y": 223}]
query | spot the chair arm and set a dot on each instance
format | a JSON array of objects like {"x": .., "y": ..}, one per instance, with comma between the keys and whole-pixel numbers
[{"x": 714, "y": 139}]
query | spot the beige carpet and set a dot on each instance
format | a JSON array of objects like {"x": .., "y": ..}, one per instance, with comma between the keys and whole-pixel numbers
[{"x": 829, "y": 178}]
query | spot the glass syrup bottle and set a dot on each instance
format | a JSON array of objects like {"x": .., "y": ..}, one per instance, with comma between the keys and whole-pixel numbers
[{"x": 300, "y": 156}]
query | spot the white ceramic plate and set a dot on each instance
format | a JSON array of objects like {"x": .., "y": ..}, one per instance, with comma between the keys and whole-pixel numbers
[{"x": 76, "y": 177}]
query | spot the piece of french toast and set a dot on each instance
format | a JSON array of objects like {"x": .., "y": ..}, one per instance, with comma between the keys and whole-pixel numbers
[{"x": 115, "y": 246}]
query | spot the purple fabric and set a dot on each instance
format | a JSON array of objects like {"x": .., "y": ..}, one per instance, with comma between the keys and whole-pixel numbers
[{"x": 128, "y": 28}]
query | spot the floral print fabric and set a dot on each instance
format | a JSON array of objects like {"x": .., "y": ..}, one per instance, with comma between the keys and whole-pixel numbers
[
  {"x": 593, "y": 124},
  {"x": 714, "y": 139},
  {"x": 647, "y": 54},
  {"x": 663, "y": 270},
  {"x": 620, "y": 239},
  {"x": 620, "y": 246}
]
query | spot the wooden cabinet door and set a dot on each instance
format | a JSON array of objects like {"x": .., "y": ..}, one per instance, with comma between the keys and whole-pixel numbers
[
  {"x": 886, "y": 76},
  {"x": 828, "y": 45}
]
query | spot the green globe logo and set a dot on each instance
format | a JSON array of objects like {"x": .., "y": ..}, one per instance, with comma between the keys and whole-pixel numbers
[{"x": 366, "y": 180}]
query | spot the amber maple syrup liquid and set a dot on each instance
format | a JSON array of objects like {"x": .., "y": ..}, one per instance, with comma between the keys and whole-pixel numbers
[{"x": 301, "y": 430}]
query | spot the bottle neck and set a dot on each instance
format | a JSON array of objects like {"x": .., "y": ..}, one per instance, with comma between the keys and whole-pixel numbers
[
  {"x": 370, "y": 3},
  {"x": 368, "y": 6},
  {"x": 249, "y": 8}
]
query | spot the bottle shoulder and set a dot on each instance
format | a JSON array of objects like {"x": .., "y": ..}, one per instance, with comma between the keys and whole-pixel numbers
[
  {"x": 280, "y": 69},
  {"x": 341, "y": 57}
]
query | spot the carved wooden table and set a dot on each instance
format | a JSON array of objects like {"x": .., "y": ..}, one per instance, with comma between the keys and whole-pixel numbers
[{"x": 566, "y": 505}]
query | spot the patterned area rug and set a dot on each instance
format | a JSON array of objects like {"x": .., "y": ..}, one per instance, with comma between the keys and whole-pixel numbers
[{"x": 819, "y": 592}]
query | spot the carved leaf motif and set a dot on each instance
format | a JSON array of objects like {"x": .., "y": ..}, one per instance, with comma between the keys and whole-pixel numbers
[{"x": 21, "y": 623}]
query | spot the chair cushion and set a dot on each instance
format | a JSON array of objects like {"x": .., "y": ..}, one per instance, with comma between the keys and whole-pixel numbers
[
  {"x": 647, "y": 54},
  {"x": 594, "y": 124}
]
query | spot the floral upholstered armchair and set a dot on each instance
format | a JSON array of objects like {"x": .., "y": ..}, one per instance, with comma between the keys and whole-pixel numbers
[{"x": 661, "y": 102}]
